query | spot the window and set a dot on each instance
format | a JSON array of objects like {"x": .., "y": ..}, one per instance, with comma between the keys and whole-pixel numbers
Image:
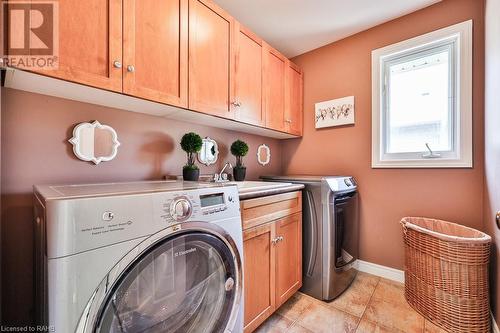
[{"x": 422, "y": 101}]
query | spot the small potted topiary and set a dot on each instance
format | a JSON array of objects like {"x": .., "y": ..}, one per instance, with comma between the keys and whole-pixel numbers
[
  {"x": 239, "y": 149},
  {"x": 191, "y": 143}
]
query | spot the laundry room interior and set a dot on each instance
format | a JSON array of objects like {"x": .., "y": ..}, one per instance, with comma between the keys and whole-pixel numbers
[{"x": 250, "y": 166}]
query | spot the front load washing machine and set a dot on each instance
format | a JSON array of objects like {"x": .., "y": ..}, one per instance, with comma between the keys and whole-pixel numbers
[{"x": 139, "y": 257}]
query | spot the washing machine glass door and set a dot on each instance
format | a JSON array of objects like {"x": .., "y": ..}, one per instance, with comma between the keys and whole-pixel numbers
[
  {"x": 346, "y": 229},
  {"x": 184, "y": 284}
]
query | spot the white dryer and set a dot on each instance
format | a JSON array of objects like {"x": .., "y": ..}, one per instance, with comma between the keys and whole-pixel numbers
[{"x": 139, "y": 257}]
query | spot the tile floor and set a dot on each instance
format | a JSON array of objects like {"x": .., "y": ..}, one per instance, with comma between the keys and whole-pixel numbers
[{"x": 370, "y": 305}]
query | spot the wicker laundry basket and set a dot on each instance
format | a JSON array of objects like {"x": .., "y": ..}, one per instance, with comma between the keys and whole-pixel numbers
[{"x": 446, "y": 274}]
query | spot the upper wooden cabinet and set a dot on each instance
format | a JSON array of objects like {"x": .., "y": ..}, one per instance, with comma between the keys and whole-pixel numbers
[
  {"x": 155, "y": 47},
  {"x": 90, "y": 43},
  {"x": 294, "y": 100},
  {"x": 275, "y": 65},
  {"x": 186, "y": 53},
  {"x": 248, "y": 78},
  {"x": 210, "y": 59}
]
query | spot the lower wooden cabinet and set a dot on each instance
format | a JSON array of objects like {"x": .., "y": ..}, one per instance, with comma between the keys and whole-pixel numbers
[
  {"x": 288, "y": 257},
  {"x": 259, "y": 274},
  {"x": 272, "y": 256}
]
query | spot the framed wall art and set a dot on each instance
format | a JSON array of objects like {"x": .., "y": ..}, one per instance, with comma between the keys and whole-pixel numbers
[{"x": 336, "y": 112}]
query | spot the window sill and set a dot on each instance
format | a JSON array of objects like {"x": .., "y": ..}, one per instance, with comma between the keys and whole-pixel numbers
[{"x": 423, "y": 164}]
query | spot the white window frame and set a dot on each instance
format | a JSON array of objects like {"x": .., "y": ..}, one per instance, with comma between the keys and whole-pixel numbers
[{"x": 458, "y": 37}]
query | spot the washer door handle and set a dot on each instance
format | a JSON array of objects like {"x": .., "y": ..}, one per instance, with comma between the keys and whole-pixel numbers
[{"x": 229, "y": 284}]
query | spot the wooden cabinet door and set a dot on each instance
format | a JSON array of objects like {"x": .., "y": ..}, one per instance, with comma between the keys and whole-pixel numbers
[
  {"x": 274, "y": 86},
  {"x": 90, "y": 42},
  {"x": 288, "y": 257},
  {"x": 259, "y": 275},
  {"x": 210, "y": 59},
  {"x": 248, "y": 77},
  {"x": 155, "y": 50},
  {"x": 294, "y": 99}
]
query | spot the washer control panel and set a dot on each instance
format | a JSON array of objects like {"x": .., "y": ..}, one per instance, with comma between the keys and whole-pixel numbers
[
  {"x": 350, "y": 182},
  {"x": 213, "y": 203},
  {"x": 181, "y": 209},
  {"x": 341, "y": 184},
  {"x": 207, "y": 204},
  {"x": 214, "y": 210},
  {"x": 99, "y": 220}
]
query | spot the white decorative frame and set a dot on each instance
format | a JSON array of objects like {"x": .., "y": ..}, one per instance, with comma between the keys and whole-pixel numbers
[
  {"x": 268, "y": 150},
  {"x": 216, "y": 155},
  {"x": 77, "y": 139},
  {"x": 335, "y": 112}
]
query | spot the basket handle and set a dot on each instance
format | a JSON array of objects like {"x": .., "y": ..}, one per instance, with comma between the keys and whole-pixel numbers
[{"x": 405, "y": 229}]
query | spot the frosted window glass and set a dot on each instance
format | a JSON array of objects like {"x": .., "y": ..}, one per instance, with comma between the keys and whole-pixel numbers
[{"x": 419, "y": 108}]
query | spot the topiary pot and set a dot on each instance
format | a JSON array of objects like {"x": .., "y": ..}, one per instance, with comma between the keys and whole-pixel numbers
[
  {"x": 239, "y": 173},
  {"x": 190, "y": 174}
]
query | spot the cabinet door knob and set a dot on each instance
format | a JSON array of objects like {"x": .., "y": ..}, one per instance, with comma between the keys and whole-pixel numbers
[
  {"x": 130, "y": 68},
  {"x": 288, "y": 121},
  {"x": 117, "y": 64},
  {"x": 236, "y": 103}
]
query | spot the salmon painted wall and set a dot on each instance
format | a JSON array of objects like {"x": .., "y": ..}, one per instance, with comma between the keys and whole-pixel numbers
[
  {"x": 492, "y": 143},
  {"x": 344, "y": 69},
  {"x": 35, "y": 150}
]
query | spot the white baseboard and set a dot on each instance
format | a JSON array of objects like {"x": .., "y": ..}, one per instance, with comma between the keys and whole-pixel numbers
[
  {"x": 382, "y": 271},
  {"x": 494, "y": 326}
]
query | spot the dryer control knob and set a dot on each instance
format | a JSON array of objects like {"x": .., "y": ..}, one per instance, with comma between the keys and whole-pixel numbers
[{"x": 180, "y": 209}]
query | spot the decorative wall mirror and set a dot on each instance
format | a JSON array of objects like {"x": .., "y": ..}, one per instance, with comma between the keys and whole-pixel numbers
[
  {"x": 263, "y": 155},
  {"x": 209, "y": 152},
  {"x": 93, "y": 142}
]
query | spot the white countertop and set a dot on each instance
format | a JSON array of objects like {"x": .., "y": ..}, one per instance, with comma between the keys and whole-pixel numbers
[
  {"x": 253, "y": 189},
  {"x": 247, "y": 189}
]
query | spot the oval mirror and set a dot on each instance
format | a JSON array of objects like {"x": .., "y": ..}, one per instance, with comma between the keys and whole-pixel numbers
[
  {"x": 93, "y": 142},
  {"x": 209, "y": 152},
  {"x": 263, "y": 155}
]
